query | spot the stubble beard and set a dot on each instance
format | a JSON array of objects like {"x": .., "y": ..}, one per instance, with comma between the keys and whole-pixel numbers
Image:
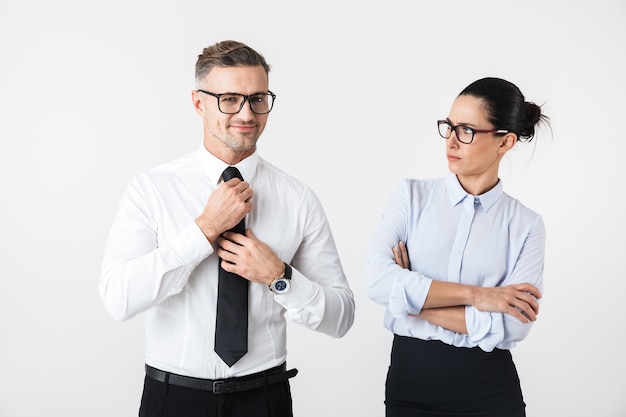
[{"x": 240, "y": 144}]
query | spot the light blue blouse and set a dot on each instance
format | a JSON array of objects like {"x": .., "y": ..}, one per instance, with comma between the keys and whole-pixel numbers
[{"x": 487, "y": 240}]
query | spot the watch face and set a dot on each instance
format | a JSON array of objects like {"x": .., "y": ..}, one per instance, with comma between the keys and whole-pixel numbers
[{"x": 280, "y": 285}]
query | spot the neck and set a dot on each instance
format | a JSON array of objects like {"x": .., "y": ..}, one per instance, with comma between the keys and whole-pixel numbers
[
  {"x": 477, "y": 186},
  {"x": 229, "y": 156}
]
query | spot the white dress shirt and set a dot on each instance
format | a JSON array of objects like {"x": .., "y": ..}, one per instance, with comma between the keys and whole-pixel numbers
[
  {"x": 158, "y": 260},
  {"x": 488, "y": 240}
]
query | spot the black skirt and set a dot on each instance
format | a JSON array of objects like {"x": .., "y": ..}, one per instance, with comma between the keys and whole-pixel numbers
[{"x": 433, "y": 379}]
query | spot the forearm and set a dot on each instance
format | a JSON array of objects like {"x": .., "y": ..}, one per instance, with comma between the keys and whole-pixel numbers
[
  {"x": 131, "y": 287},
  {"x": 320, "y": 297},
  {"x": 138, "y": 276},
  {"x": 449, "y": 294},
  {"x": 450, "y": 318},
  {"x": 326, "y": 309}
]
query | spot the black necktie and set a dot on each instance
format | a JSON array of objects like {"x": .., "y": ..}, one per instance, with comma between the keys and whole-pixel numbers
[{"x": 231, "y": 326}]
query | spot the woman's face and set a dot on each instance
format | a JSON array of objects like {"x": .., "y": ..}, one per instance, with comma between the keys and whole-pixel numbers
[{"x": 476, "y": 162}]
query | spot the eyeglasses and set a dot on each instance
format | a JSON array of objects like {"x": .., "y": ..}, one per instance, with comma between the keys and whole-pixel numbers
[
  {"x": 232, "y": 103},
  {"x": 464, "y": 134}
]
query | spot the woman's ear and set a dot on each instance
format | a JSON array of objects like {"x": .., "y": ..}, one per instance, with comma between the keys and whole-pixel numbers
[{"x": 508, "y": 141}]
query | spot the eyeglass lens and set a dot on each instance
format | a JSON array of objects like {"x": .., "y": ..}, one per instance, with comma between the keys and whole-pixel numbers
[
  {"x": 463, "y": 133},
  {"x": 233, "y": 103}
]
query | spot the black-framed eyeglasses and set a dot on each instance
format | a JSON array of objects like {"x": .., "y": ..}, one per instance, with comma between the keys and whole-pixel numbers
[
  {"x": 464, "y": 134},
  {"x": 232, "y": 103}
]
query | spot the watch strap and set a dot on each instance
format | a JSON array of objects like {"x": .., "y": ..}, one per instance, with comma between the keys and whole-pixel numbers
[{"x": 288, "y": 271}]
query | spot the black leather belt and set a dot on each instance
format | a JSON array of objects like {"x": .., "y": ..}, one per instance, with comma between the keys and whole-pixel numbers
[{"x": 225, "y": 386}]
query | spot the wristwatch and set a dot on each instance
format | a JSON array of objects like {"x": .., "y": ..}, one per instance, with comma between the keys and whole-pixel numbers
[{"x": 282, "y": 284}]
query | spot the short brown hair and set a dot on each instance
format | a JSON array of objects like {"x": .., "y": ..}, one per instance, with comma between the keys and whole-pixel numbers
[{"x": 228, "y": 54}]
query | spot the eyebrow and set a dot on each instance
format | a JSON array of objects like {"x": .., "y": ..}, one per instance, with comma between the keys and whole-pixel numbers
[
  {"x": 461, "y": 124},
  {"x": 242, "y": 94}
]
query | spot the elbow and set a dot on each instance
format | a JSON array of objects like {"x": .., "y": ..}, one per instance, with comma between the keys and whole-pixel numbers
[
  {"x": 115, "y": 309},
  {"x": 113, "y": 303},
  {"x": 520, "y": 333},
  {"x": 374, "y": 295},
  {"x": 339, "y": 331},
  {"x": 345, "y": 324},
  {"x": 379, "y": 278},
  {"x": 117, "y": 314},
  {"x": 371, "y": 287},
  {"x": 338, "y": 320}
]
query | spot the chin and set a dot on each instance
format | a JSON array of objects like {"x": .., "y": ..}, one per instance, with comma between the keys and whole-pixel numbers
[{"x": 452, "y": 168}]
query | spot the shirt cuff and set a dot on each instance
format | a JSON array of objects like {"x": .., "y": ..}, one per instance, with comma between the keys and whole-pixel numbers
[
  {"x": 190, "y": 245},
  {"x": 301, "y": 292},
  {"x": 484, "y": 328},
  {"x": 408, "y": 294}
]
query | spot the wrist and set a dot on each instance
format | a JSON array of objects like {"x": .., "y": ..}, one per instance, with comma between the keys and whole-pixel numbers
[
  {"x": 206, "y": 229},
  {"x": 282, "y": 283},
  {"x": 473, "y": 295},
  {"x": 280, "y": 272}
]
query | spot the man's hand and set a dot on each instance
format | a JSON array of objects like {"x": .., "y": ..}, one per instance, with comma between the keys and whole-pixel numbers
[
  {"x": 247, "y": 256},
  {"x": 227, "y": 205}
]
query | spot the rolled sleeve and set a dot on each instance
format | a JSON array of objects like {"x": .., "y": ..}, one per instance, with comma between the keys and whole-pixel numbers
[
  {"x": 484, "y": 328},
  {"x": 408, "y": 294}
]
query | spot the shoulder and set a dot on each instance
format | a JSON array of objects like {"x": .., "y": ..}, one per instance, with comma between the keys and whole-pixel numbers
[
  {"x": 187, "y": 164},
  {"x": 514, "y": 204},
  {"x": 521, "y": 213},
  {"x": 419, "y": 187},
  {"x": 410, "y": 194},
  {"x": 176, "y": 166},
  {"x": 280, "y": 180},
  {"x": 182, "y": 170}
]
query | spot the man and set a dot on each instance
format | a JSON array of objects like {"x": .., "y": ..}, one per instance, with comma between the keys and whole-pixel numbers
[{"x": 173, "y": 233}]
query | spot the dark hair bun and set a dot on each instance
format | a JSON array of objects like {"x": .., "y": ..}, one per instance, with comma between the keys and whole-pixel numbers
[
  {"x": 506, "y": 106},
  {"x": 533, "y": 117}
]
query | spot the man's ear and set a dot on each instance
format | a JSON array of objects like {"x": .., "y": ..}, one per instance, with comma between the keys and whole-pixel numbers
[{"x": 198, "y": 104}]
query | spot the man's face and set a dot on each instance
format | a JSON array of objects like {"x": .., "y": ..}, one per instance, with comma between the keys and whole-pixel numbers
[{"x": 231, "y": 137}]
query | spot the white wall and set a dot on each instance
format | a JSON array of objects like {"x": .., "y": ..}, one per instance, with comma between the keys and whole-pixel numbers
[{"x": 92, "y": 92}]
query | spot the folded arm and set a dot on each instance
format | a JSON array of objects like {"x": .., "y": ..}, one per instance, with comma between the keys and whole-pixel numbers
[
  {"x": 446, "y": 301},
  {"x": 320, "y": 297},
  {"x": 137, "y": 272}
]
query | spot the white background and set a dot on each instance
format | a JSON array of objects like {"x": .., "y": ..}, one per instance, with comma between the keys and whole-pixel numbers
[{"x": 92, "y": 92}]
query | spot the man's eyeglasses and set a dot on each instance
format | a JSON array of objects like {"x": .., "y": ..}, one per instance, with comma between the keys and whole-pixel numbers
[
  {"x": 232, "y": 103},
  {"x": 464, "y": 134}
]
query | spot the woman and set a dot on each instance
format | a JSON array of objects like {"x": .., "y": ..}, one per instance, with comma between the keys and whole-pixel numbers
[{"x": 459, "y": 266}]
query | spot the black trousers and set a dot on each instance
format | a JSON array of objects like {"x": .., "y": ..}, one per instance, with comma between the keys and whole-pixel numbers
[
  {"x": 161, "y": 399},
  {"x": 433, "y": 379}
]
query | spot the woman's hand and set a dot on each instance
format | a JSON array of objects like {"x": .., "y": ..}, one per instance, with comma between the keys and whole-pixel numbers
[
  {"x": 401, "y": 256},
  {"x": 451, "y": 318},
  {"x": 518, "y": 300}
]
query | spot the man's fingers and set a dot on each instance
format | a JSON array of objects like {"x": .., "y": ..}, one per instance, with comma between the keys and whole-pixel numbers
[
  {"x": 236, "y": 238},
  {"x": 228, "y": 248}
]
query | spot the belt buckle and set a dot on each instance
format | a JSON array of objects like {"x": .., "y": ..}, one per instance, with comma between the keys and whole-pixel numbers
[
  {"x": 217, "y": 385},
  {"x": 220, "y": 387}
]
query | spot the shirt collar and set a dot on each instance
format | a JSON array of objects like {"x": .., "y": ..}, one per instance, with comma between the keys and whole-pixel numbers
[
  {"x": 214, "y": 167},
  {"x": 456, "y": 193}
]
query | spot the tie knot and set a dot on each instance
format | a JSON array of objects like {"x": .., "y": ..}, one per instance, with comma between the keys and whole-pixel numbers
[{"x": 230, "y": 173}]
